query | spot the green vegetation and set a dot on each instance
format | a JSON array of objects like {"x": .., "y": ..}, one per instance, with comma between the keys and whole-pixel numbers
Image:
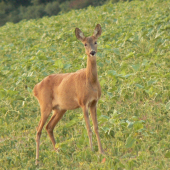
[
  {"x": 134, "y": 72},
  {"x": 16, "y": 10}
]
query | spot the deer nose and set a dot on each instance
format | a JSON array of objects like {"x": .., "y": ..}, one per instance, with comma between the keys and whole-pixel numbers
[{"x": 93, "y": 52}]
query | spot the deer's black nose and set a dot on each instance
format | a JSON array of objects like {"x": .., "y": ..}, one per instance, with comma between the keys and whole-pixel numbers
[{"x": 93, "y": 52}]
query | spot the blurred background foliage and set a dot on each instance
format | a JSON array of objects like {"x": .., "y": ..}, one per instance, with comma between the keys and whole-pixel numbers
[
  {"x": 16, "y": 10},
  {"x": 134, "y": 72}
]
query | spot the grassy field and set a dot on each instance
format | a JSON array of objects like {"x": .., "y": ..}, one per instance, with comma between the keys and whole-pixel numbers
[{"x": 134, "y": 73}]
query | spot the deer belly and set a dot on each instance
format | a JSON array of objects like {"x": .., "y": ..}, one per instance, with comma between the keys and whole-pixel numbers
[{"x": 65, "y": 102}]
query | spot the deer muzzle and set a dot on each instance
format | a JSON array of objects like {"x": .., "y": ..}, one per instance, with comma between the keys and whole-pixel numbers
[{"x": 92, "y": 53}]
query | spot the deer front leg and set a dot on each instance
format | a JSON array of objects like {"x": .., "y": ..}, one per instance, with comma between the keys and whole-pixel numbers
[
  {"x": 86, "y": 117},
  {"x": 95, "y": 125}
]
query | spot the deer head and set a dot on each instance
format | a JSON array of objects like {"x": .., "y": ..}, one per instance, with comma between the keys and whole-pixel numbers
[{"x": 90, "y": 43}]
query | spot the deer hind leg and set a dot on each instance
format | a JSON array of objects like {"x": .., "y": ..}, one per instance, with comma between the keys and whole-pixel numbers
[
  {"x": 95, "y": 125},
  {"x": 86, "y": 117},
  {"x": 45, "y": 112},
  {"x": 58, "y": 114}
]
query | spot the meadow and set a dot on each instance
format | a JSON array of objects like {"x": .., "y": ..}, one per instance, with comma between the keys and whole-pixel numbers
[{"x": 134, "y": 72}]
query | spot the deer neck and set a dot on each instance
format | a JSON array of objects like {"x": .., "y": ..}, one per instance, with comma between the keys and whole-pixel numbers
[{"x": 91, "y": 70}]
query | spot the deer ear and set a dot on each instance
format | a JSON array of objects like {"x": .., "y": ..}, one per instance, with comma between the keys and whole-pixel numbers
[
  {"x": 79, "y": 34},
  {"x": 97, "y": 31}
]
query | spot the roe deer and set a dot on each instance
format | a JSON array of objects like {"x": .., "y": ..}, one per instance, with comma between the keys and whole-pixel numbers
[{"x": 62, "y": 92}]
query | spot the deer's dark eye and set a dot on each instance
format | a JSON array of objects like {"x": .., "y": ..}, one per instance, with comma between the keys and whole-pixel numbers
[
  {"x": 95, "y": 42},
  {"x": 85, "y": 44}
]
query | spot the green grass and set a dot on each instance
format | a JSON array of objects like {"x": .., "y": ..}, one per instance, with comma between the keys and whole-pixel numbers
[{"x": 134, "y": 72}]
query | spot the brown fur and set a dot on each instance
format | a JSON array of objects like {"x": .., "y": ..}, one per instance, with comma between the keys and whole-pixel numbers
[{"x": 62, "y": 92}]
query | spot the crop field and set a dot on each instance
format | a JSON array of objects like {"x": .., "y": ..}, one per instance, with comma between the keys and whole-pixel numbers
[{"x": 134, "y": 72}]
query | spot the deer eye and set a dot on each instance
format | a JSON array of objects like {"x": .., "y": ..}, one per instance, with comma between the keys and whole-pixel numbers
[
  {"x": 85, "y": 44},
  {"x": 95, "y": 42}
]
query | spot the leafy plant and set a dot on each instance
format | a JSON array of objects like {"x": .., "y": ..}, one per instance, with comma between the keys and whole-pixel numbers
[{"x": 134, "y": 73}]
